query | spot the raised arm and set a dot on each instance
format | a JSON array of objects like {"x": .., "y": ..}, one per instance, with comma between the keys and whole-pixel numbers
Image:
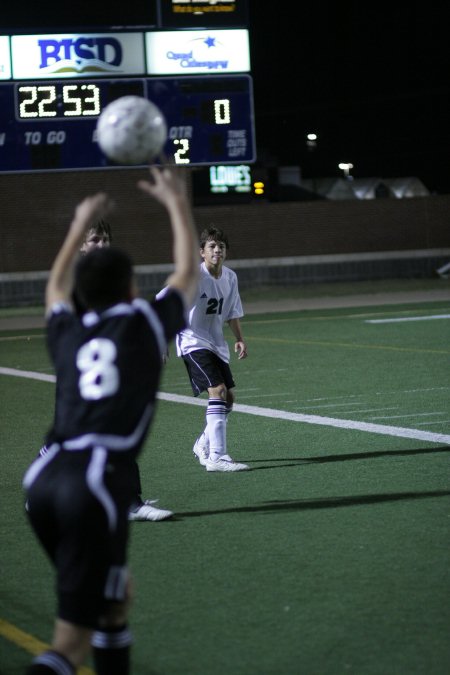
[
  {"x": 168, "y": 186},
  {"x": 61, "y": 279}
]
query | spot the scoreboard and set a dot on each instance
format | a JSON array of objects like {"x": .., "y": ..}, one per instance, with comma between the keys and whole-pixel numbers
[
  {"x": 53, "y": 87},
  {"x": 51, "y": 125}
]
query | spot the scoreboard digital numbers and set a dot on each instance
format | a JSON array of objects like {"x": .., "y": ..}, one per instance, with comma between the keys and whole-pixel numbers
[
  {"x": 51, "y": 125},
  {"x": 54, "y": 86}
]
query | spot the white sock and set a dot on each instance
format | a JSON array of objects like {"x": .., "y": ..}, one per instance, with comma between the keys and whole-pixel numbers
[{"x": 216, "y": 427}]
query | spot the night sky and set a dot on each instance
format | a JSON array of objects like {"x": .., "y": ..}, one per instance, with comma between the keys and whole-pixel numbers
[{"x": 371, "y": 79}]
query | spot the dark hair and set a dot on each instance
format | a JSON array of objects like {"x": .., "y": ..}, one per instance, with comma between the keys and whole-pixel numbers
[
  {"x": 213, "y": 234},
  {"x": 103, "y": 278},
  {"x": 102, "y": 227}
]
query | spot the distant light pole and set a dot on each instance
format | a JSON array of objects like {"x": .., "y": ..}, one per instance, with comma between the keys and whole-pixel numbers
[
  {"x": 311, "y": 144},
  {"x": 311, "y": 141},
  {"x": 346, "y": 167}
]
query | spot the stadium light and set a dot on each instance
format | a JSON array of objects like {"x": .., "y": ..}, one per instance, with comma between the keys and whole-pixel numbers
[
  {"x": 345, "y": 167},
  {"x": 311, "y": 141}
]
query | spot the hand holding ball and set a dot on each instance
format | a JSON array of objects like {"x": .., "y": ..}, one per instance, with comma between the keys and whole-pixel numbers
[{"x": 131, "y": 130}]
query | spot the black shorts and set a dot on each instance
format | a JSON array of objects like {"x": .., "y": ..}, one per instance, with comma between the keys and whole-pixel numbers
[
  {"x": 78, "y": 507},
  {"x": 206, "y": 369}
]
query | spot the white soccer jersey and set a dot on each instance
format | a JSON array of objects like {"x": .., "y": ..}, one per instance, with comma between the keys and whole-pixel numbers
[{"x": 216, "y": 301}]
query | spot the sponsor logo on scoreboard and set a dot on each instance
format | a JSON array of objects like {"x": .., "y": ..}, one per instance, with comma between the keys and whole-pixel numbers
[
  {"x": 76, "y": 55},
  {"x": 201, "y": 6},
  {"x": 190, "y": 52},
  {"x": 203, "y": 14}
]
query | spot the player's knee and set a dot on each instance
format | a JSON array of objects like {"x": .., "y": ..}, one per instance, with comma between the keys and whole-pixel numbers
[{"x": 218, "y": 392}]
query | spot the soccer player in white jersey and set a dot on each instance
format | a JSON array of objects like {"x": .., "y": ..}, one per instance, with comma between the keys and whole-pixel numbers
[{"x": 205, "y": 352}]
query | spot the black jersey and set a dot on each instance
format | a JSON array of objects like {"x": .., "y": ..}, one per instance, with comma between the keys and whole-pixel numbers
[{"x": 108, "y": 366}]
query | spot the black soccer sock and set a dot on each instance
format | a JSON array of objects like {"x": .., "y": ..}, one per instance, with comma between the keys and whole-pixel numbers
[
  {"x": 111, "y": 651},
  {"x": 50, "y": 663},
  {"x": 136, "y": 483}
]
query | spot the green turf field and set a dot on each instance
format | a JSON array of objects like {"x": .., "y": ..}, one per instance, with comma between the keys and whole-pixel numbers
[{"x": 330, "y": 557}]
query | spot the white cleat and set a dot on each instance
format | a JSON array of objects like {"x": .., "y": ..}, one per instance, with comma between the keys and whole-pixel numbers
[
  {"x": 225, "y": 463},
  {"x": 147, "y": 511},
  {"x": 201, "y": 449}
]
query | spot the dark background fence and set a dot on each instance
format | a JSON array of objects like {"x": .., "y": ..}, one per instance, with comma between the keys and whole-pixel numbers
[{"x": 271, "y": 242}]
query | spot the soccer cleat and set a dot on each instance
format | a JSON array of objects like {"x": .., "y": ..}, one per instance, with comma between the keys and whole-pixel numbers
[
  {"x": 225, "y": 463},
  {"x": 146, "y": 511},
  {"x": 201, "y": 449}
]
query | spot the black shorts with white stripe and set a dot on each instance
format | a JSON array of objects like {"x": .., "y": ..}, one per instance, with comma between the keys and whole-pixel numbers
[{"x": 206, "y": 369}]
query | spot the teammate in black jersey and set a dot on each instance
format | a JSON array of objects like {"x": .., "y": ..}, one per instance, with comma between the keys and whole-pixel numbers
[{"x": 108, "y": 365}]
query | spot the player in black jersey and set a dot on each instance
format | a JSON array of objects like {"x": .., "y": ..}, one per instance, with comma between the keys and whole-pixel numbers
[
  {"x": 108, "y": 365},
  {"x": 99, "y": 235}
]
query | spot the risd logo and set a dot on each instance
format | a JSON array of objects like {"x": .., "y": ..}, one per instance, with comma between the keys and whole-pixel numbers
[{"x": 80, "y": 55}]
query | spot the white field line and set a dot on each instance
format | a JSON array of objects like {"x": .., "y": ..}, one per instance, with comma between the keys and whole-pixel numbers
[
  {"x": 410, "y": 318},
  {"x": 29, "y": 374},
  {"x": 368, "y": 427},
  {"x": 421, "y": 424},
  {"x": 281, "y": 393},
  {"x": 358, "y": 412},
  {"x": 344, "y": 405},
  {"x": 378, "y": 393},
  {"x": 393, "y": 417}
]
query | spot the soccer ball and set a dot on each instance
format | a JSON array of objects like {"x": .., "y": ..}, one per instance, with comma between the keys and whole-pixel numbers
[{"x": 131, "y": 130}]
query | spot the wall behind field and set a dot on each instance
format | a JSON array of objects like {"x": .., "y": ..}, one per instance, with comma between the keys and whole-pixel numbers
[
  {"x": 272, "y": 243},
  {"x": 36, "y": 209}
]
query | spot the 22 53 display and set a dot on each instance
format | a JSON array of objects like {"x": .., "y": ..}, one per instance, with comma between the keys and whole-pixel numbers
[{"x": 51, "y": 125}]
